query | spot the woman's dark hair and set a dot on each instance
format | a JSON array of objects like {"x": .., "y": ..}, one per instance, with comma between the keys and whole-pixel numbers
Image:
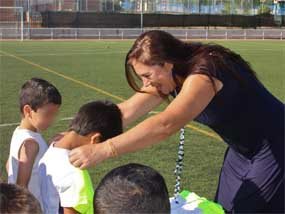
[
  {"x": 99, "y": 116},
  {"x": 133, "y": 189},
  {"x": 157, "y": 47},
  {"x": 37, "y": 92}
]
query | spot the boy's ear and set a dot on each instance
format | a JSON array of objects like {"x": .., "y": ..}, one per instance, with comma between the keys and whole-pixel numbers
[
  {"x": 27, "y": 110},
  {"x": 96, "y": 138}
]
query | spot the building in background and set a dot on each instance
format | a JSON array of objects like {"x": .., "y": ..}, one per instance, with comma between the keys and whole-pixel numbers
[
  {"x": 245, "y": 7},
  {"x": 279, "y": 7}
]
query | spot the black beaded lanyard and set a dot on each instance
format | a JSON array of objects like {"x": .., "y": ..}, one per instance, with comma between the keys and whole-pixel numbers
[{"x": 179, "y": 163}]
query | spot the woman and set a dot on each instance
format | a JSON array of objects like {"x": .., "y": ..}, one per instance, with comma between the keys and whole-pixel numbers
[{"x": 217, "y": 88}]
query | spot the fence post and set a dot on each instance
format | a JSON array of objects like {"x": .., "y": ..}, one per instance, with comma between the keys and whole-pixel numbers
[
  {"x": 263, "y": 35},
  {"x": 281, "y": 35},
  {"x": 51, "y": 34},
  {"x": 206, "y": 35},
  {"x": 244, "y": 35},
  {"x": 30, "y": 33},
  {"x": 99, "y": 34},
  {"x": 226, "y": 35},
  {"x": 122, "y": 35},
  {"x": 75, "y": 33},
  {"x": 22, "y": 24}
]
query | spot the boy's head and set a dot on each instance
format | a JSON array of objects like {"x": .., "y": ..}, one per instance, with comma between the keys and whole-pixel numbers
[
  {"x": 39, "y": 102},
  {"x": 98, "y": 120},
  {"x": 132, "y": 188},
  {"x": 16, "y": 199}
]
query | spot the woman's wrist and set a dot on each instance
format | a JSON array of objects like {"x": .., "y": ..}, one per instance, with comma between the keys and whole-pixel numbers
[{"x": 112, "y": 151}]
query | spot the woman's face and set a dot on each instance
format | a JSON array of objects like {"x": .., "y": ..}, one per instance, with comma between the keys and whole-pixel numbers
[{"x": 158, "y": 76}]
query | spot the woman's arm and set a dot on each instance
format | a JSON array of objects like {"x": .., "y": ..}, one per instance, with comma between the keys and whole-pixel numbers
[
  {"x": 196, "y": 94},
  {"x": 139, "y": 104}
]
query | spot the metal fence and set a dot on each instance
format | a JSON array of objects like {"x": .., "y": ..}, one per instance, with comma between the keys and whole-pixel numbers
[{"x": 132, "y": 33}]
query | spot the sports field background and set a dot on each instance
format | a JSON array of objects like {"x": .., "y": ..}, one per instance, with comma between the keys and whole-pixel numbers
[{"x": 89, "y": 70}]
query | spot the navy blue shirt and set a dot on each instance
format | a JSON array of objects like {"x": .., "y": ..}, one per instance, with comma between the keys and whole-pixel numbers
[{"x": 243, "y": 112}]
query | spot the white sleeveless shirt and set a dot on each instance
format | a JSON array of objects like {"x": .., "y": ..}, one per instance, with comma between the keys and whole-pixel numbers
[{"x": 19, "y": 136}]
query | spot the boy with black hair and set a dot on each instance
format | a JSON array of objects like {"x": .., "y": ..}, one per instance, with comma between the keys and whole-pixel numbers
[
  {"x": 132, "y": 189},
  {"x": 17, "y": 199},
  {"x": 62, "y": 184},
  {"x": 39, "y": 103}
]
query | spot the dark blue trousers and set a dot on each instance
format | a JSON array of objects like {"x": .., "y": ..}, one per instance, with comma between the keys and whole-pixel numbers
[{"x": 253, "y": 185}]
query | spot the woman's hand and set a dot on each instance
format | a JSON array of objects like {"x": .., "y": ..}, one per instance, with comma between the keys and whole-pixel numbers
[{"x": 89, "y": 155}]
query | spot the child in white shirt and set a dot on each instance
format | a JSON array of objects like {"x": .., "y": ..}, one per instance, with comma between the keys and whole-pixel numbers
[
  {"x": 39, "y": 104},
  {"x": 62, "y": 184}
]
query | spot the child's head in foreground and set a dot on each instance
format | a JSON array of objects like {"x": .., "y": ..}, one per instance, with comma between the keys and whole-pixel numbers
[
  {"x": 16, "y": 199},
  {"x": 39, "y": 103},
  {"x": 132, "y": 188},
  {"x": 97, "y": 121}
]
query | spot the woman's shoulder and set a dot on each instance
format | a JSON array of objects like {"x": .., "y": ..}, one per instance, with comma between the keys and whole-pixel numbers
[
  {"x": 215, "y": 58},
  {"x": 207, "y": 50}
]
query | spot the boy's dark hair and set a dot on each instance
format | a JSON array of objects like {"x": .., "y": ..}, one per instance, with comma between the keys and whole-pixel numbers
[
  {"x": 16, "y": 199},
  {"x": 37, "y": 92},
  {"x": 98, "y": 116},
  {"x": 132, "y": 188}
]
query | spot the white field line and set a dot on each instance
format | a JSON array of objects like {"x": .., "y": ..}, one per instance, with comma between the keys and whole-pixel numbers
[
  {"x": 62, "y": 119},
  {"x": 204, "y": 132},
  {"x": 64, "y": 50},
  {"x": 68, "y": 54},
  {"x": 15, "y": 124},
  {"x": 92, "y": 52}
]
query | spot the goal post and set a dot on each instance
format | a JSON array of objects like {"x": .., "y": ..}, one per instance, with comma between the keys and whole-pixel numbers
[{"x": 12, "y": 23}]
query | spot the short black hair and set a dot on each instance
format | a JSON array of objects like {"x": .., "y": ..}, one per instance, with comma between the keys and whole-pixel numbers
[
  {"x": 37, "y": 92},
  {"x": 98, "y": 116},
  {"x": 17, "y": 199},
  {"x": 133, "y": 189}
]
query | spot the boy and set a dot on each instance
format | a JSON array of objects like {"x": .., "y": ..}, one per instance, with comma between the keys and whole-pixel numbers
[
  {"x": 39, "y": 103},
  {"x": 61, "y": 183},
  {"x": 17, "y": 199},
  {"x": 132, "y": 189}
]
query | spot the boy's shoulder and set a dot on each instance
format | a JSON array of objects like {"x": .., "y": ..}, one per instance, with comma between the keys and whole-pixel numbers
[
  {"x": 56, "y": 157},
  {"x": 65, "y": 177},
  {"x": 56, "y": 163},
  {"x": 20, "y": 135},
  {"x": 29, "y": 138}
]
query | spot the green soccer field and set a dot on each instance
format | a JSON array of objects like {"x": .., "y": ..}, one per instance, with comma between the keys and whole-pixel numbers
[{"x": 89, "y": 70}]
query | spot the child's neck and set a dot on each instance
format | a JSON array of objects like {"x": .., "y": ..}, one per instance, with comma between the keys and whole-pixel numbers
[
  {"x": 25, "y": 124},
  {"x": 69, "y": 141}
]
